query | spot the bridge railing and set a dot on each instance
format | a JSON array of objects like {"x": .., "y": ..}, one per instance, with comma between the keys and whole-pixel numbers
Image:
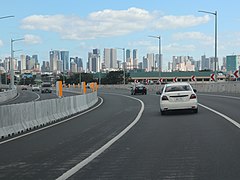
[
  {"x": 219, "y": 87},
  {"x": 18, "y": 118}
]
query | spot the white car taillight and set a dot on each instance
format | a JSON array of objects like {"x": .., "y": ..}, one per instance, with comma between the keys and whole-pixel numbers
[
  {"x": 164, "y": 98},
  {"x": 193, "y": 96}
]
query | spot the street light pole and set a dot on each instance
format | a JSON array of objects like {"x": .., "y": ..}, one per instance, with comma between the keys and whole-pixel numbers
[
  {"x": 159, "y": 55},
  {"x": 4, "y": 17},
  {"x": 12, "y": 63},
  {"x": 215, "y": 41}
]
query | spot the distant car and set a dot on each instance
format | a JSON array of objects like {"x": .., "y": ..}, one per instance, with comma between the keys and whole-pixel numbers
[
  {"x": 46, "y": 88},
  {"x": 178, "y": 96},
  {"x": 23, "y": 87},
  {"x": 139, "y": 89},
  {"x": 35, "y": 87}
]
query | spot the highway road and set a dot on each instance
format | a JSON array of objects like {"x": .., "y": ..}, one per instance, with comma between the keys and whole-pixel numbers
[
  {"x": 28, "y": 96},
  {"x": 125, "y": 137}
]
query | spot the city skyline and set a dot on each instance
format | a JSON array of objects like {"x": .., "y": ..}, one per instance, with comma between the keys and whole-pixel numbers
[{"x": 79, "y": 27}]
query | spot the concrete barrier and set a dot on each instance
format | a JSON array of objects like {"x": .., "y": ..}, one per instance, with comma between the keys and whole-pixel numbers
[
  {"x": 18, "y": 118},
  {"x": 214, "y": 87},
  {"x": 9, "y": 94}
]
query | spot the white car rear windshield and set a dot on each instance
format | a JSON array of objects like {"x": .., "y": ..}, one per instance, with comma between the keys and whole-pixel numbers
[{"x": 178, "y": 88}]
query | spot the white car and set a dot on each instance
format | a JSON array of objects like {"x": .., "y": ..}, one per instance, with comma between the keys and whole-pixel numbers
[
  {"x": 35, "y": 87},
  {"x": 176, "y": 96}
]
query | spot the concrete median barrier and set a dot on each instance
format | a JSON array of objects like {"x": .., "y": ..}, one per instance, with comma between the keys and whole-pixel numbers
[
  {"x": 18, "y": 118},
  {"x": 7, "y": 95}
]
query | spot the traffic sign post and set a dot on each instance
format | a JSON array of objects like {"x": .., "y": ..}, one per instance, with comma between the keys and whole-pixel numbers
[
  {"x": 213, "y": 77},
  {"x": 193, "y": 78},
  {"x": 175, "y": 79},
  {"x": 236, "y": 74}
]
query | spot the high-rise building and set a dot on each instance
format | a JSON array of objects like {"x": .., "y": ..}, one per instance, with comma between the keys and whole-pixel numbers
[
  {"x": 35, "y": 58},
  {"x": 128, "y": 55},
  {"x": 54, "y": 57},
  {"x": 151, "y": 63},
  {"x": 233, "y": 63},
  {"x": 28, "y": 63},
  {"x": 23, "y": 62},
  {"x": 224, "y": 65},
  {"x": 73, "y": 67},
  {"x": 183, "y": 63},
  {"x": 78, "y": 62},
  {"x": 65, "y": 60},
  {"x": 212, "y": 64},
  {"x": 94, "y": 61},
  {"x": 59, "y": 66},
  {"x": 145, "y": 63},
  {"x": 205, "y": 63},
  {"x": 135, "y": 56},
  {"x": 135, "y": 59},
  {"x": 110, "y": 58}
]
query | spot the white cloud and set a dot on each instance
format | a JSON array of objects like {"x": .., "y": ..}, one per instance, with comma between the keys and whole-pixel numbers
[
  {"x": 1, "y": 43},
  {"x": 204, "y": 39},
  {"x": 174, "y": 22},
  {"x": 177, "y": 48},
  {"x": 107, "y": 23},
  {"x": 32, "y": 39}
]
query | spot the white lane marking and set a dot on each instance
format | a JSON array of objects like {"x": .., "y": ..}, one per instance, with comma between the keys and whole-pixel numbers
[
  {"x": 215, "y": 95},
  {"x": 38, "y": 96},
  {"x": 222, "y": 115},
  {"x": 55, "y": 124},
  {"x": 95, "y": 154}
]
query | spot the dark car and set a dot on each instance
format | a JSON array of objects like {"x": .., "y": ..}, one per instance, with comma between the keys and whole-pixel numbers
[
  {"x": 139, "y": 89},
  {"x": 46, "y": 88}
]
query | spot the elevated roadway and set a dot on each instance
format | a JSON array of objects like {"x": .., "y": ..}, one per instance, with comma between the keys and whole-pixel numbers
[{"x": 127, "y": 138}]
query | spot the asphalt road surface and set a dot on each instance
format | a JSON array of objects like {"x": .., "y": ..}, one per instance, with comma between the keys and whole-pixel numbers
[
  {"x": 118, "y": 141},
  {"x": 25, "y": 96}
]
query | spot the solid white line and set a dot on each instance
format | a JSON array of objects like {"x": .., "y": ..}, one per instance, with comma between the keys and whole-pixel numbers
[
  {"x": 86, "y": 161},
  {"x": 222, "y": 115},
  {"x": 55, "y": 124},
  {"x": 37, "y": 95}
]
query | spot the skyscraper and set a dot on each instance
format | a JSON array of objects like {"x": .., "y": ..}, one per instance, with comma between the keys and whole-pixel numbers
[
  {"x": 128, "y": 55},
  {"x": 65, "y": 60},
  {"x": 135, "y": 59},
  {"x": 94, "y": 61},
  {"x": 78, "y": 62},
  {"x": 23, "y": 62},
  {"x": 54, "y": 57},
  {"x": 233, "y": 63},
  {"x": 35, "y": 58},
  {"x": 110, "y": 58},
  {"x": 205, "y": 63}
]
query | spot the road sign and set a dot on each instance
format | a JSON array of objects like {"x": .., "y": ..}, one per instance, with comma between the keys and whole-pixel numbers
[
  {"x": 161, "y": 80},
  {"x": 175, "y": 79},
  {"x": 212, "y": 77},
  {"x": 193, "y": 78},
  {"x": 236, "y": 74}
]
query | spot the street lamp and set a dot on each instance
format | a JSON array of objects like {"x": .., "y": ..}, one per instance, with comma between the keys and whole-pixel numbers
[
  {"x": 12, "y": 64},
  {"x": 124, "y": 77},
  {"x": 215, "y": 27},
  {"x": 4, "y": 17},
  {"x": 159, "y": 55}
]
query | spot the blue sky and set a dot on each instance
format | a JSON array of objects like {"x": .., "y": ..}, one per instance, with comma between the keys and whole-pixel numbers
[{"x": 79, "y": 26}]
